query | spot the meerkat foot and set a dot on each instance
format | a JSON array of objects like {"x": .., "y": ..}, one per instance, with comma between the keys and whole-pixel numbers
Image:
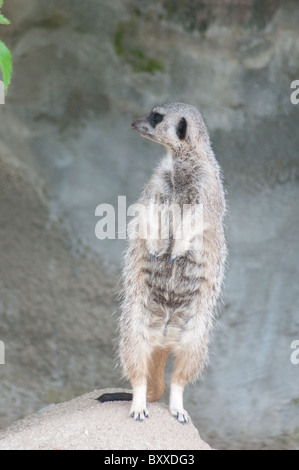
[
  {"x": 139, "y": 415},
  {"x": 176, "y": 403},
  {"x": 138, "y": 409}
]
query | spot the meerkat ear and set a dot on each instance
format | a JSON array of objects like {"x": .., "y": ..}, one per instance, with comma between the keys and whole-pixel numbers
[{"x": 182, "y": 129}]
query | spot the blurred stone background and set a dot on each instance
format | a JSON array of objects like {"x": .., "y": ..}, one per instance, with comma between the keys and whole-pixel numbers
[{"x": 82, "y": 72}]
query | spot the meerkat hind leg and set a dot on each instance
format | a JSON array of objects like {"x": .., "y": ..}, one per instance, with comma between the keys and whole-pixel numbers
[
  {"x": 150, "y": 387},
  {"x": 176, "y": 403}
]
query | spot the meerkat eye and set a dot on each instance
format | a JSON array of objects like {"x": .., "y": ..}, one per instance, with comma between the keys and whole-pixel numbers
[
  {"x": 182, "y": 129},
  {"x": 155, "y": 118}
]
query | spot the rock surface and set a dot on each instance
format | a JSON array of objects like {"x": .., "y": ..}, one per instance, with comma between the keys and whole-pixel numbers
[{"x": 84, "y": 423}]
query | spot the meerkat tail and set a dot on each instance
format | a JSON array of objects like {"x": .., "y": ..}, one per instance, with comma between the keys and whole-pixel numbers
[{"x": 117, "y": 396}]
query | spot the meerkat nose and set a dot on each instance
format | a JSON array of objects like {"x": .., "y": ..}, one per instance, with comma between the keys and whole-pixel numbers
[{"x": 133, "y": 124}]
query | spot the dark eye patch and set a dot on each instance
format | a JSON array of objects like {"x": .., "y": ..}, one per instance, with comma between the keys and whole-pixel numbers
[
  {"x": 155, "y": 118},
  {"x": 182, "y": 129}
]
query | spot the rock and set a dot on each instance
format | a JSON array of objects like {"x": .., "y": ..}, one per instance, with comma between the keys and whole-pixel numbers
[{"x": 84, "y": 423}]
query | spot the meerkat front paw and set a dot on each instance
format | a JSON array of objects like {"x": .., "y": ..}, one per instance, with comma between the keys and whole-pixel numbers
[
  {"x": 179, "y": 249},
  {"x": 155, "y": 248}
]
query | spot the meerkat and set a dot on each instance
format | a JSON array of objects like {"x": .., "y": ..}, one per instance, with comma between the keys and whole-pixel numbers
[{"x": 171, "y": 284}]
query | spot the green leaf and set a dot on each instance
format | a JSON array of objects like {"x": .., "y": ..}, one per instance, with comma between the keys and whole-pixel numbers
[
  {"x": 5, "y": 64},
  {"x": 3, "y": 20},
  {"x": 1, "y": 3}
]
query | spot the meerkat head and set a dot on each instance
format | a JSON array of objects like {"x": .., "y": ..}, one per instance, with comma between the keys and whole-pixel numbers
[{"x": 172, "y": 125}]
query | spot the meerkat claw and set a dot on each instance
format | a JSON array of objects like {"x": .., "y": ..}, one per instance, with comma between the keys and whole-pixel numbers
[{"x": 139, "y": 415}]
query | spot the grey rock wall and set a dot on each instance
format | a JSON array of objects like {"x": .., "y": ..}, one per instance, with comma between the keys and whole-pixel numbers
[{"x": 85, "y": 424}]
